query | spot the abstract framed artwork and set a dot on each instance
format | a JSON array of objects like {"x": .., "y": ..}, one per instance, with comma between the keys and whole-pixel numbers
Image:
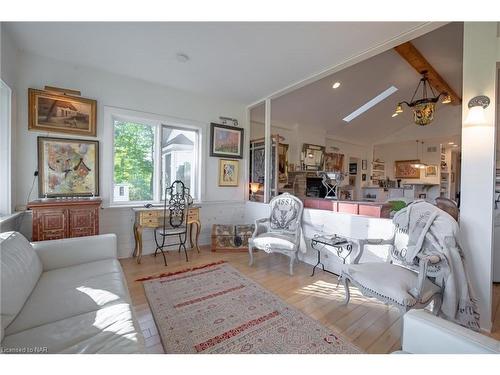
[
  {"x": 68, "y": 167},
  {"x": 226, "y": 141},
  {"x": 404, "y": 169},
  {"x": 58, "y": 113},
  {"x": 228, "y": 172}
]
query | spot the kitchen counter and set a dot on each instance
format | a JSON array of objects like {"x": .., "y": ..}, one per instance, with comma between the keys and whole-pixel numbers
[{"x": 364, "y": 208}]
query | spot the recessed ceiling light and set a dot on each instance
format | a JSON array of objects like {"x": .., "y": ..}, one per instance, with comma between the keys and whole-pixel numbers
[
  {"x": 182, "y": 57},
  {"x": 365, "y": 107},
  {"x": 336, "y": 85}
]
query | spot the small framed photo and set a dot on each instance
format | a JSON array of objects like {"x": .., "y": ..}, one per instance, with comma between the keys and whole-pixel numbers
[
  {"x": 226, "y": 141},
  {"x": 364, "y": 164},
  {"x": 431, "y": 171},
  {"x": 353, "y": 168},
  {"x": 68, "y": 167},
  {"x": 58, "y": 113},
  {"x": 228, "y": 172}
]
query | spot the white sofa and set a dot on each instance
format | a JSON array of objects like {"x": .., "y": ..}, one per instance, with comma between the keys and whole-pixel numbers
[
  {"x": 424, "y": 333},
  {"x": 65, "y": 296}
]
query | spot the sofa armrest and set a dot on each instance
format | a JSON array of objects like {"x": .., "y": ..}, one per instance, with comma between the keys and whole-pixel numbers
[
  {"x": 424, "y": 333},
  {"x": 73, "y": 251}
]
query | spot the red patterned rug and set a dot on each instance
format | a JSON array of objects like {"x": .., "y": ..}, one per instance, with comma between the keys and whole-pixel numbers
[{"x": 216, "y": 309}]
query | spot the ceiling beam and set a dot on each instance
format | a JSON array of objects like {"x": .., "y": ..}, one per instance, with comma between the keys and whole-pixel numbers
[{"x": 413, "y": 56}]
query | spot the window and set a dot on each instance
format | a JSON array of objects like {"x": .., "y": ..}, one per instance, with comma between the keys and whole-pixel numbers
[
  {"x": 133, "y": 161},
  {"x": 148, "y": 155},
  {"x": 5, "y": 157},
  {"x": 178, "y": 155}
]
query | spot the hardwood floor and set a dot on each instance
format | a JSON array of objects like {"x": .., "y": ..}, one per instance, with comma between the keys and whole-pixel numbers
[{"x": 373, "y": 326}]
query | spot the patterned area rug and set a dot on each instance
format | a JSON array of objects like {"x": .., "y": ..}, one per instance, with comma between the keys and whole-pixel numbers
[{"x": 216, "y": 309}]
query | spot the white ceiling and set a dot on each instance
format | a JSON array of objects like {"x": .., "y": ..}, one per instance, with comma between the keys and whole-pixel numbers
[
  {"x": 318, "y": 106},
  {"x": 239, "y": 61}
]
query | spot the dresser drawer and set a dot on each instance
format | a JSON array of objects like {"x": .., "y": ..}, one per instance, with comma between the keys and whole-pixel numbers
[
  {"x": 151, "y": 214},
  {"x": 193, "y": 215},
  {"x": 149, "y": 221}
]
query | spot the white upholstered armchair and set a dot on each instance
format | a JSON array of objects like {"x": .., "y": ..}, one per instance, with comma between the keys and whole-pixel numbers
[
  {"x": 405, "y": 287},
  {"x": 282, "y": 231}
]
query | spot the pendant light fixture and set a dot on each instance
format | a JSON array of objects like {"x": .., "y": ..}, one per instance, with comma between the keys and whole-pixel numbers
[
  {"x": 419, "y": 163},
  {"x": 423, "y": 109}
]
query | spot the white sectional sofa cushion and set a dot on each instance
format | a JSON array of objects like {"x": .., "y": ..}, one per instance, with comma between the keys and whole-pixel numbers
[
  {"x": 78, "y": 302},
  {"x": 21, "y": 269}
]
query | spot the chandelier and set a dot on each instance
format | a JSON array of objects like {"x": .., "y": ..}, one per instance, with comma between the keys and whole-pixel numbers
[{"x": 423, "y": 109}]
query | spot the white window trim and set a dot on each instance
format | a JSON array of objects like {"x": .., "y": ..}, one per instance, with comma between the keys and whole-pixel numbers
[
  {"x": 6, "y": 154},
  {"x": 107, "y": 151}
]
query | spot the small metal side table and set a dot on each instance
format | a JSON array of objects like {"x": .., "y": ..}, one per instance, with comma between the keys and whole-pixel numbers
[{"x": 339, "y": 246}]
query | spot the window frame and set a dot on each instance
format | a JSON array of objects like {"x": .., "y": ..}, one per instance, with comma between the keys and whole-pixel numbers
[
  {"x": 111, "y": 114},
  {"x": 6, "y": 152}
]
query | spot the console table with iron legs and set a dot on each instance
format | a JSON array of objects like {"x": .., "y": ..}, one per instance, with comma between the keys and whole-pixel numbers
[
  {"x": 150, "y": 218},
  {"x": 342, "y": 248}
]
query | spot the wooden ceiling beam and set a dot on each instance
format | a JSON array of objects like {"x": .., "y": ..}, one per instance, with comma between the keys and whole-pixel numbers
[{"x": 413, "y": 56}]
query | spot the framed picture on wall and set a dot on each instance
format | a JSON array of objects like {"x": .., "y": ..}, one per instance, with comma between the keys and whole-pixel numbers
[
  {"x": 68, "y": 167},
  {"x": 364, "y": 164},
  {"x": 226, "y": 141},
  {"x": 228, "y": 172},
  {"x": 404, "y": 169},
  {"x": 431, "y": 171},
  {"x": 60, "y": 113},
  {"x": 353, "y": 168},
  {"x": 334, "y": 162}
]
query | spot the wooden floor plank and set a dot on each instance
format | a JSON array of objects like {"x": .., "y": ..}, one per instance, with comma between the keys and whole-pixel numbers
[{"x": 371, "y": 325}]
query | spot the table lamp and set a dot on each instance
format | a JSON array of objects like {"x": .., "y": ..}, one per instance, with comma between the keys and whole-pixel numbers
[{"x": 254, "y": 188}]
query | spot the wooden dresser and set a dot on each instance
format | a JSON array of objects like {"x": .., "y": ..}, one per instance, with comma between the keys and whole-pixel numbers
[{"x": 63, "y": 218}]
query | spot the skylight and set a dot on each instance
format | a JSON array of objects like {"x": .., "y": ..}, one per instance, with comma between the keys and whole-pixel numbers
[{"x": 365, "y": 107}]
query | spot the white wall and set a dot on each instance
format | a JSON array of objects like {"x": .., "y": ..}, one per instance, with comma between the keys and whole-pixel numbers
[
  {"x": 220, "y": 204},
  {"x": 329, "y": 222},
  {"x": 8, "y": 68},
  {"x": 478, "y": 162}
]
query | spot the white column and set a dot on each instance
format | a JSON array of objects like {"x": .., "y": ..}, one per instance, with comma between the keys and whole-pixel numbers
[
  {"x": 267, "y": 155},
  {"x": 478, "y": 162}
]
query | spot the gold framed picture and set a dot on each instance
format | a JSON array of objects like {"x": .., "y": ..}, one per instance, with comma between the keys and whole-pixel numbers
[
  {"x": 228, "y": 172},
  {"x": 404, "y": 169},
  {"x": 52, "y": 112},
  {"x": 68, "y": 167},
  {"x": 431, "y": 171}
]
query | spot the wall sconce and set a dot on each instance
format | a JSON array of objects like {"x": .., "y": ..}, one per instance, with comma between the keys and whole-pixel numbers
[
  {"x": 254, "y": 188},
  {"x": 477, "y": 105}
]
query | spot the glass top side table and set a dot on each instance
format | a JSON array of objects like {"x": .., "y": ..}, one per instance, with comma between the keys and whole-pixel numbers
[{"x": 339, "y": 246}]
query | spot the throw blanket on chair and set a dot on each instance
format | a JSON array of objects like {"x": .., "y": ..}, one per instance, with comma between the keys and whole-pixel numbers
[{"x": 432, "y": 231}]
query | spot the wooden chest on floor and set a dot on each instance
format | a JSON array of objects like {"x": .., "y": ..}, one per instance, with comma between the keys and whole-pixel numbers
[
  {"x": 231, "y": 237},
  {"x": 55, "y": 219}
]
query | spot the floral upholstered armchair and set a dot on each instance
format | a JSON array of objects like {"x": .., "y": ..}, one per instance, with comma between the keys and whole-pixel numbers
[{"x": 282, "y": 231}]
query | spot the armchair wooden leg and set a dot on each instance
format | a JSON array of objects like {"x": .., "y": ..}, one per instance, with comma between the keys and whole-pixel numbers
[
  {"x": 250, "y": 253},
  {"x": 345, "y": 282},
  {"x": 292, "y": 259}
]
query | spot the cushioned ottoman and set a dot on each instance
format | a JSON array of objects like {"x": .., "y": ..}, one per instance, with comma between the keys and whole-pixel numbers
[{"x": 231, "y": 237}]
